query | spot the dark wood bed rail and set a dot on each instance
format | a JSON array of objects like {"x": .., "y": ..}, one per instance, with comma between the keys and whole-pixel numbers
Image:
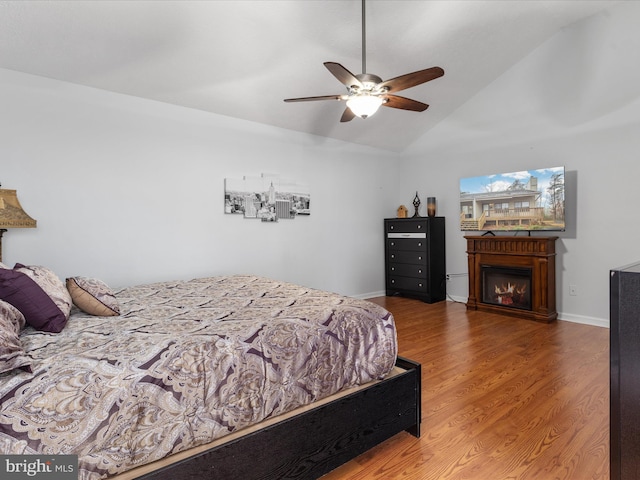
[{"x": 306, "y": 446}]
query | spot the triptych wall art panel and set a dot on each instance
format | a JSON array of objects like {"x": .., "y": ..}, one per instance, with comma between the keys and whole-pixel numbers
[{"x": 267, "y": 197}]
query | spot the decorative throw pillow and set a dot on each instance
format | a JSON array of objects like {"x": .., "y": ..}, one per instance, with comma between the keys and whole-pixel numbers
[
  {"x": 93, "y": 296},
  {"x": 26, "y": 295},
  {"x": 50, "y": 283},
  {"x": 12, "y": 354}
]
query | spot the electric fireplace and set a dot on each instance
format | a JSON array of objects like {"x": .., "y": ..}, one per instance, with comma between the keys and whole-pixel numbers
[
  {"x": 513, "y": 275},
  {"x": 506, "y": 286}
]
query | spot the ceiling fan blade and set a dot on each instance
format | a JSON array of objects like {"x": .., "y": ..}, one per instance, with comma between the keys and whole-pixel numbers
[
  {"x": 343, "y": 75},
  {"x": 411, "y": 79},
  {"x": 347, "y": 115},
  {"x": 313, "y": 99},
  {"x": 395, "y": 101}
]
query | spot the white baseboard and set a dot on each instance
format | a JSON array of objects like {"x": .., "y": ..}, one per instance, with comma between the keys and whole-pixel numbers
[
  {"x": 452, "y": 298},
  {"x": 366, "y": 296},
  {"x": 566, "y": 317},
  {"x": 596, "y": 322}
]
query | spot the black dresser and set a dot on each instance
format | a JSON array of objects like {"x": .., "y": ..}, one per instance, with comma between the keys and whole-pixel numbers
[
  {"x": 624, "y": 362},
  {"x": 414, "y": 258}
]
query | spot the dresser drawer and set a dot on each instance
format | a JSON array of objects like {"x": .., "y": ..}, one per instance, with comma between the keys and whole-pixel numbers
[
  {"x": 401, "y": 256},
  {"x": 406, "y": 226},
  {"x": 407, "y": 283},
  {"x": 407, "y": 270},
  {"x": 407, "y": 244}
]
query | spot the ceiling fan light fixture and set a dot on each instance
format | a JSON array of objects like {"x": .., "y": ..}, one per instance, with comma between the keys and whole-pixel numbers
[
  {"x": 364, "y": 105},
  {"x": 366, "y": 91}
]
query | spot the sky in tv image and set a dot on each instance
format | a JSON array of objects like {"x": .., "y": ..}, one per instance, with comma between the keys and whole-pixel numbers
[{"x": 503, "y": 181}]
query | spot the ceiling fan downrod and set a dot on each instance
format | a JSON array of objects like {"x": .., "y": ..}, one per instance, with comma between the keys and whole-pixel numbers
[{"x": 364, "y": 40}]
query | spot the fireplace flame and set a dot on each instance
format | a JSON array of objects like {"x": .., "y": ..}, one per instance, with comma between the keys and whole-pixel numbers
[{"x": 505, "y": 293}]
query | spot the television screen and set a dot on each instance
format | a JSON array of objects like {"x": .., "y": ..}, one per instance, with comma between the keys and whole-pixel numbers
[{"x": 528, "y": 200}]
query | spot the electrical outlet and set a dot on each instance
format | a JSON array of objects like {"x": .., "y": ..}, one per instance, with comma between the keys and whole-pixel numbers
[
  {"x": 448, "y": 277},
  {"x": 573, "y": 290}
]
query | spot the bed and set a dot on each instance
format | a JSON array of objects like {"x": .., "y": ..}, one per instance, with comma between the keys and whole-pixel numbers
[{"x": 224, "y": 377}]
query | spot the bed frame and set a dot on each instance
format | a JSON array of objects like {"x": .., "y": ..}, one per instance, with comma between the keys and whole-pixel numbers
[{"x": 310, "y": 444}]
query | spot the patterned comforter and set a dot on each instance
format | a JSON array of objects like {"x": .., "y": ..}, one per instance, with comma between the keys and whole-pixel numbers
[{"x": 186, "y": 362}]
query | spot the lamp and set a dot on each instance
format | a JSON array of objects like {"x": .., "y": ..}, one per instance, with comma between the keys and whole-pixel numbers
[
  {"x": 364, "y": 105},
  {"x": 11, "y": 214}
]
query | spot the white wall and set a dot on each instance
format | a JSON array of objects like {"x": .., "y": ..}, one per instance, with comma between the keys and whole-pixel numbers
[
  {"x": 574, "y": 101},
  {"x": 131, "y": 191}
]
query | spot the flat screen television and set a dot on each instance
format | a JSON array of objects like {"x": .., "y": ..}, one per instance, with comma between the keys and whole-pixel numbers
[{"x": 529, "y": 200}]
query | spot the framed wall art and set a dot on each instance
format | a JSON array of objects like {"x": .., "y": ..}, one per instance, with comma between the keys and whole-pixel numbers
[{"x": 266, "y": 197}]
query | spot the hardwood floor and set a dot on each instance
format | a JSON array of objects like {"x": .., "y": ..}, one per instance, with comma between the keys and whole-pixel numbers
[{"x": 502, "y": 398}]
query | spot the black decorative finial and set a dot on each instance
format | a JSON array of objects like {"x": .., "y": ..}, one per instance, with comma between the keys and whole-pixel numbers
[{"x": 416, "y": 204}]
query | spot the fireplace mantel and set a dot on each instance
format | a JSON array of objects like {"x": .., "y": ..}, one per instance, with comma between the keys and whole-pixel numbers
[{"x": 536, "y": 254}]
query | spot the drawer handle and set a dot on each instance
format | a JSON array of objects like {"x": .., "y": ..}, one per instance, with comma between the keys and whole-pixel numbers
[
  {"x": 391, "y": 227},
  {"x": 419, "y": 284},
  {"x": 419, "y": 244},
  {"x": 393, "y": 269},
  {"x": 393, "y": 244},
  {"x": 419, "y": 271},
  {"x": 393, "y": 256},
  {"x": 419, "y": 227},
  {"x": 393, "y": 281},
  {"x": 419, "y": 258}
]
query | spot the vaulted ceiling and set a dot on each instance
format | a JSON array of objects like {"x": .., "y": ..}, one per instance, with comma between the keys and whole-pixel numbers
[{"x": 242, "y": 58}]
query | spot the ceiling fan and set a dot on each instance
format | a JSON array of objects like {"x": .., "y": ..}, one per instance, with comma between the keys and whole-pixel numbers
[{"x": 367, "y": 92}]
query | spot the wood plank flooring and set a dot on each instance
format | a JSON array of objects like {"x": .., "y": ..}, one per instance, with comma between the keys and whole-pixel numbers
[{"x": 502, "y": 398}]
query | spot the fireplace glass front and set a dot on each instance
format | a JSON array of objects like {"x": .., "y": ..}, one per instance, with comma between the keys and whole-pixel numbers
[{"x": 506, "y": 286}]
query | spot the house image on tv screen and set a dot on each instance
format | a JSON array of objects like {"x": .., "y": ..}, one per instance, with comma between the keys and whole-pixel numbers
[{"x": 526, "y": 200}]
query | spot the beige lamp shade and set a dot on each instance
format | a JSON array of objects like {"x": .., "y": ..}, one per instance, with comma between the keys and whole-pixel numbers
[{"x": 11, "y": 213}]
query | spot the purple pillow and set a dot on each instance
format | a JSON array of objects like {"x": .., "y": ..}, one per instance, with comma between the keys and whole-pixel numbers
[
  {"x": 26, "y": 295},
  {"x": 50, "y": 283}
]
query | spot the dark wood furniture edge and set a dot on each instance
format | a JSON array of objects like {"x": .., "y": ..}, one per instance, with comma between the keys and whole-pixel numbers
[
  {"x": 624, "y": 360},
  {"x": 308, "y": 445}
]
